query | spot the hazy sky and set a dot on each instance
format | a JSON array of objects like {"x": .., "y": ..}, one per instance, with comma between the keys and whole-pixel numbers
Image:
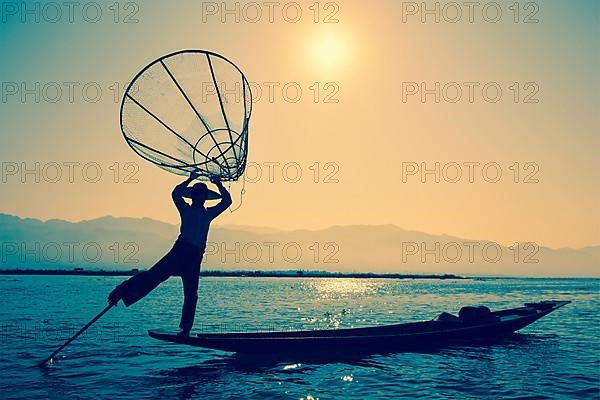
[{"x": 386, "y": 92}]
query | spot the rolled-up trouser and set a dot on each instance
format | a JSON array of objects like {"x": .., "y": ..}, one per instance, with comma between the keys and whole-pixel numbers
[{"x": 182, "y": 260}]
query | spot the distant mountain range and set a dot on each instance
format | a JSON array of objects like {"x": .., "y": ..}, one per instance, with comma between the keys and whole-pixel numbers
[{"x": 125, "y": 243}]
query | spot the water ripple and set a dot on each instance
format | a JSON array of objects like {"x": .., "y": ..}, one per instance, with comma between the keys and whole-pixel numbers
[{"x": 555, "y": 358}]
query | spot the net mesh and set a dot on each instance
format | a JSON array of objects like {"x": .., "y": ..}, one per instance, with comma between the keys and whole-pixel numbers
[{"x": 189, "y": 112}]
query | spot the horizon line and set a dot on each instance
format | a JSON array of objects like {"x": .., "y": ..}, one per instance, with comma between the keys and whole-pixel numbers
[{"x": 284, "y": 273}]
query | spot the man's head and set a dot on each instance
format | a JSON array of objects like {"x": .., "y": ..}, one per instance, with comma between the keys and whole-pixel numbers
[{"x": 199, "y": 193}]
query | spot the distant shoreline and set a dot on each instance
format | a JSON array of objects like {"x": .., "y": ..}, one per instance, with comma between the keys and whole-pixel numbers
[{"x": 252, "y": 274}]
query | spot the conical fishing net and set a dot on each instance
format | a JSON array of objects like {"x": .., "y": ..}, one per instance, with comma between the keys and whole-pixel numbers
[{"x": 189, "y": 112}]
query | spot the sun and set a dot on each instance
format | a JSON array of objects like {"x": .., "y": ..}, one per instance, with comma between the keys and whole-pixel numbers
[{"x": 329, "y": 51}]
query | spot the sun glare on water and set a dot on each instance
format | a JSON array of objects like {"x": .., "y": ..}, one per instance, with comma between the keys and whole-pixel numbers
[{"x": 334, "y": 288}]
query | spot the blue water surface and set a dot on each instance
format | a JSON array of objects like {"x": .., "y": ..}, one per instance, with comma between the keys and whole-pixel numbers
[{"x": 557, "y": 357}]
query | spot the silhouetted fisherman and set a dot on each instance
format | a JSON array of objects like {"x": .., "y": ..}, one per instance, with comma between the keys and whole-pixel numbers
[{"x": 186, "y": 255}]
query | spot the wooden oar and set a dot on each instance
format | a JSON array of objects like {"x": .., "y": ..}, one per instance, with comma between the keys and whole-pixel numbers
[{"x": 96, "y": 318}]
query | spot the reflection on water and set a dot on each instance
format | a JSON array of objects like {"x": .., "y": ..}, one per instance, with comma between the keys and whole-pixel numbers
[
  {"x": 325, "y": 288},
  {"x": 557, "y": 357}
]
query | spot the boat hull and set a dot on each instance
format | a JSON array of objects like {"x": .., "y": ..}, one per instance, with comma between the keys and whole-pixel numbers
[{"x": 401, "y": 337}]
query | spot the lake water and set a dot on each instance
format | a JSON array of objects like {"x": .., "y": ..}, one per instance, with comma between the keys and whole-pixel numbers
[{"x": 557, "y": 357}]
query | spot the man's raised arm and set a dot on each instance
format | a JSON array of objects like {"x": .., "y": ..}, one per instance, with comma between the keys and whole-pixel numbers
[
  {"x": 225, "y": 202},
  {"x": 179, "y": 191}
]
